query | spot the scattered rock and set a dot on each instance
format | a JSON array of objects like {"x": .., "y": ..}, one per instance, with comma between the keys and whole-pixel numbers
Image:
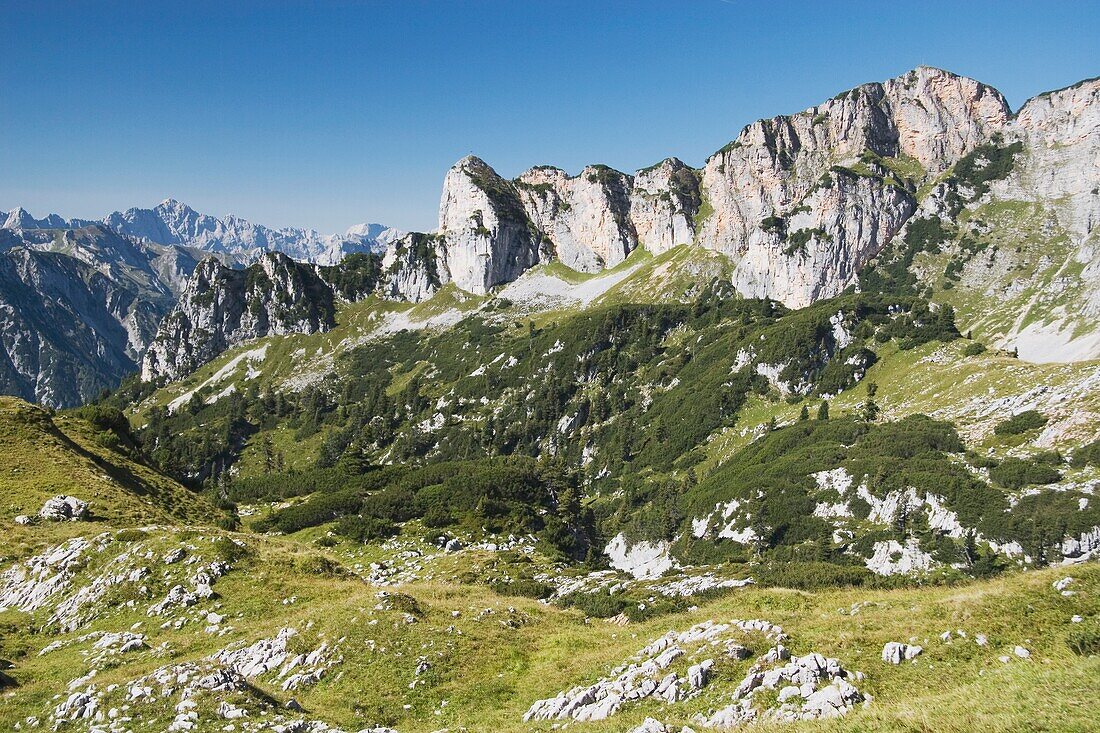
[
  {"x": 895, "y": 652},
  {"x": 1020, "y": 652}
]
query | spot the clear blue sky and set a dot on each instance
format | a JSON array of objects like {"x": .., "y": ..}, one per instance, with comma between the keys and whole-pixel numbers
[{"x": 328, "y": 114}]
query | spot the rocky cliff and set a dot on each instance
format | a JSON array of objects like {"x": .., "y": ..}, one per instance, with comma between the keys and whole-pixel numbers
[
  {"x": 80, "y": 306},
  {"x": 67, "y": 331},
  {"x": 801, "y": 203},
  {"x": 486, "y": 237},
  {"x": 1019, "y": 254},
  {"x": 221, "y": 307}
]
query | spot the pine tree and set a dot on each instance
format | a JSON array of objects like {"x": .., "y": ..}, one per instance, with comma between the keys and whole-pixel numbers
[
  {"x": 823, "y": 411},
  {"x": 805, "y": 414},
  {"x": 870, "y": 407}
]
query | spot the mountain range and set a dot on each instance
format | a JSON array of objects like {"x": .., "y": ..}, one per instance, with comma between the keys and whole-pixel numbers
[
  {"x": 84, "y": 298},
  {"x": 173, "y": 223},
  {"x": 807, "y": 435},
  {"x": 800, "y": 205}
]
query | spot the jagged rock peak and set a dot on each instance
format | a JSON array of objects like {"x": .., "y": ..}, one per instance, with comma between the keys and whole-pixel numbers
[
  {"x": 487, "y": 236},
  {"x": 221, "y": 307}
]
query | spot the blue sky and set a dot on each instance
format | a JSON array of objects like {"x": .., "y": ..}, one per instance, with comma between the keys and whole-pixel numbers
[{"x": 329, "y": 114}]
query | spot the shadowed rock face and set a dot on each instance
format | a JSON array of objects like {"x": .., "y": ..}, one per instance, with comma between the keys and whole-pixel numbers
[
  {"x": 221, "y": 307},
  {"x": 77, "y": 309}
]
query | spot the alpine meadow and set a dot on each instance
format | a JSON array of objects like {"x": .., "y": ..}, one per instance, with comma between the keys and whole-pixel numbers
[{"x": 805, "y": 437}]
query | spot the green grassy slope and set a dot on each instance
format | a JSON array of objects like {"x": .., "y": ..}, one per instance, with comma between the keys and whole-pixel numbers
[
  {"x": 491, "y": 657},
  {"x": 46, "y": 454}
]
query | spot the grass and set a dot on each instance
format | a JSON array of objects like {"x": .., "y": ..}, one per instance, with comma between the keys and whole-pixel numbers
[{"x": 938, "y": 380}]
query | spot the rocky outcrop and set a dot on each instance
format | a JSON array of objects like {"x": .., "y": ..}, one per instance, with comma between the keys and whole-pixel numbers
[
  {"x": 586, "y": 217},
  {"x": 486, "y": 237},
  {"x": 221, "y": 307},
  {"x": 64, "y": 509},
  {"x": 663, "y": 205},
  {"x": 895, "y": 652},
  {"x": 412, "y": 268}
]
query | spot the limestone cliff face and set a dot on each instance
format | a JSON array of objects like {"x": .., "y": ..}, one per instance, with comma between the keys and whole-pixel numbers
[
  {"x": 221, "y": 307},
  {"x": 1061, "y": 135},
  {"x": 921, "y": 122},
  {"x": 586, "y": 217},
  {"x": 663, "y": 205},
  {"x": 412, "y": 269},
  {"x": 486, "y": 236},
  {"x": 938, "y": 117},
  {"x": 815, "y": 252},
  {"x": 1025, "y": 257},
  {"x": 892, "y": 136}
]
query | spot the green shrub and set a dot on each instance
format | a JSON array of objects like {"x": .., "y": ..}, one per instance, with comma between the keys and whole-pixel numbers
[
  {"x": 1015, "y": 473},
  {"x": 131, "y": 535},
  {"x": 404, "y": 603},
  {"x": 1084, "y": 639},
  {"x": 1021, "y": 423},
  {"x": 810, "y": 575},
  {"x": 230, "y": 550},
  {"x": 597, "y": 604},
  {"x": 318, "y": 565},
  {"x": 365, "y": 529},
  {"x": 1087, "y": 455},
  {"x": 974, "y": 348},
  {"x": 524, "y": 588}
]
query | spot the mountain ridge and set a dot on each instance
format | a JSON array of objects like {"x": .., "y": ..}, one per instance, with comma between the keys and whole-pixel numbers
[{"x": 173, "y": 223}]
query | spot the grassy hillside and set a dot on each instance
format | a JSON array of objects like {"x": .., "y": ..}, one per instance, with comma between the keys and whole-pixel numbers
[
  {"x": 46, "y": 454},
  {"x": 483, "y": 659}
]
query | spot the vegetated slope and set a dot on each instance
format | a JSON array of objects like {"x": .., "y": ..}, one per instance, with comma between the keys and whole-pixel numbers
[{"x": 90, "y": 455}]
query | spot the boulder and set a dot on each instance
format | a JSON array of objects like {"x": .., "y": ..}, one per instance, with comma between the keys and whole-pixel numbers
[
  {"x": 63, "y": 508},
  {"x": 895, "y": 652},
  {"x": 650, "y": 725}
]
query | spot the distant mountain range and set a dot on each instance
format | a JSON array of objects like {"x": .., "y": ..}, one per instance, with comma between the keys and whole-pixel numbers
[
  {"x": 173, "y": 223},
  {"x": 81, "y": 300}
]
